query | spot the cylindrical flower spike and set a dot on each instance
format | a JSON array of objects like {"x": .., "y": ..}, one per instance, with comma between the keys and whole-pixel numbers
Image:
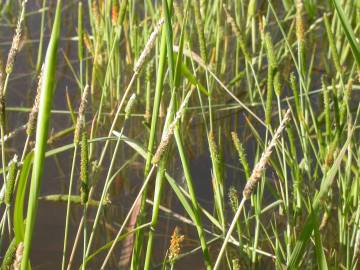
[{"x": 261, "y": 164}]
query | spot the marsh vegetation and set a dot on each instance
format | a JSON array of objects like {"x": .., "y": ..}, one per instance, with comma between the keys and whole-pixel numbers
[{"x": 162, "y": 134}]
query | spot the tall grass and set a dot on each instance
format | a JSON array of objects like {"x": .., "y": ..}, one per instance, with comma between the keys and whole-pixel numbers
[{"x": 216, "y": 134}]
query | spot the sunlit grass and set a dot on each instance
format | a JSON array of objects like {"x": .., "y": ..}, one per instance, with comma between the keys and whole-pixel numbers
[{"x": 221, "y": 133}]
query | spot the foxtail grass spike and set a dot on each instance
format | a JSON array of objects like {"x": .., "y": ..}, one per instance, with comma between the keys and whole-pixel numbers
[
  {"x": 165, "y": 140},
  {"x": 18, "y": 256},
  {"x": 9, "y": 257},
  {"x": 324, "y": 221},
  {"x": 96, "y": 12},
  {"x": 274, "y": 77},
  {"x": 261, "y": 164},
  {"x": 148, "y": 47},
  {"x": 272, "y": 62},
  {"x": 238, "y": 33},
  {"x": 348, "y": 90},
  {"x": 80, "y": 122},
  {"x": 84, "y": 169},
  {"x": 295, "y": 90},
  {"x": 88, "y": 43},
  {"x": 10, "y": 181},
  {"x": 200, "y": 29},
  {"x": 2, "y": 110},
  {"x": 130, "y": 105},
  {"x": 212, "y": 145},
  {"x": 35, "y": 109},
  {"x": 241, "y": 152},
  {"x": 233, "y": 198},
  {"x": 277, "y": 83},
  {"x": 235, "y": 264},
  {"x": 299, "y": 22},
  {"x": 15, "y": 46}
]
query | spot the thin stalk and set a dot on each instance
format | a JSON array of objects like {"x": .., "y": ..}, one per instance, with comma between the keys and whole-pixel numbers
[
  {"x": 228, "y": 235},
  {"x": 118, "y": 235},
  {"x": 67, "y": 219},
  {"x": 41, "y": 38}
]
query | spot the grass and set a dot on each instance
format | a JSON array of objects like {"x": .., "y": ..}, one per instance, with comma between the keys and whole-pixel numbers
[
  {"x": 42, "y": 127},
  {"x": 218, "y": 133}
]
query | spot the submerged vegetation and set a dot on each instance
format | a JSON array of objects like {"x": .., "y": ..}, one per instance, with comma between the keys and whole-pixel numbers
[{"x": 161, "y": 134}]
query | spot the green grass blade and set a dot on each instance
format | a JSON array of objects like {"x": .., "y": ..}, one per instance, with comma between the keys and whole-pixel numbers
[
  {"x": 300, "y": 246},
  {"x": 46, "y": 98},
  {"x": 346, "y": 26},
  {"x": 19, "y": 225}
]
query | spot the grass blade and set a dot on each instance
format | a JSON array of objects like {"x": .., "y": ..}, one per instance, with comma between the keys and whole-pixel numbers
[
  {"x": 19, "y": 225},
  {"x": 346, "y": 26},
  {"x": 46, "y": 98}
]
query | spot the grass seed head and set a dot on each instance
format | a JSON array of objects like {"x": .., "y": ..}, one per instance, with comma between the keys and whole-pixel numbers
[
  {"x": 148, "y": 47},
  {"x": 277, "y": 83},
  {"x": 130, "y": 105},
  {"x": 9, "y": 257},
  {"x": 18, "y": 256},
  {"x": 348, "y": 90},
  {"x": 235, "y": 264},
  {"x": 163, "y": 145},
  {"x": 114, "y": 12},
  {"x": 238, "y": 33},
  {"x": 96, "y": 12},
  {"x": 272, "y": 61},
  {"x": 261, "y": 164},
  {"x": 80, "y": 123},
  {"x": 200, "y": 29},
  {"x": 233, "y": 198},
  {"x": 15, "y": 46},
  {"x": 88, "y": 43},
  {"x": 35, "y": 109},
  {"x": 241, "y": 152},
  {"x": 2, "y": 110},
  {"x": 175, "y": 244},
  {"x": 10, "y": 181},
  {"x": 165, "y": 140},
  {"x": 299, "y": 22},
  {"x": 84, "y": 168},
  {"x": 212, "y": 144}
]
